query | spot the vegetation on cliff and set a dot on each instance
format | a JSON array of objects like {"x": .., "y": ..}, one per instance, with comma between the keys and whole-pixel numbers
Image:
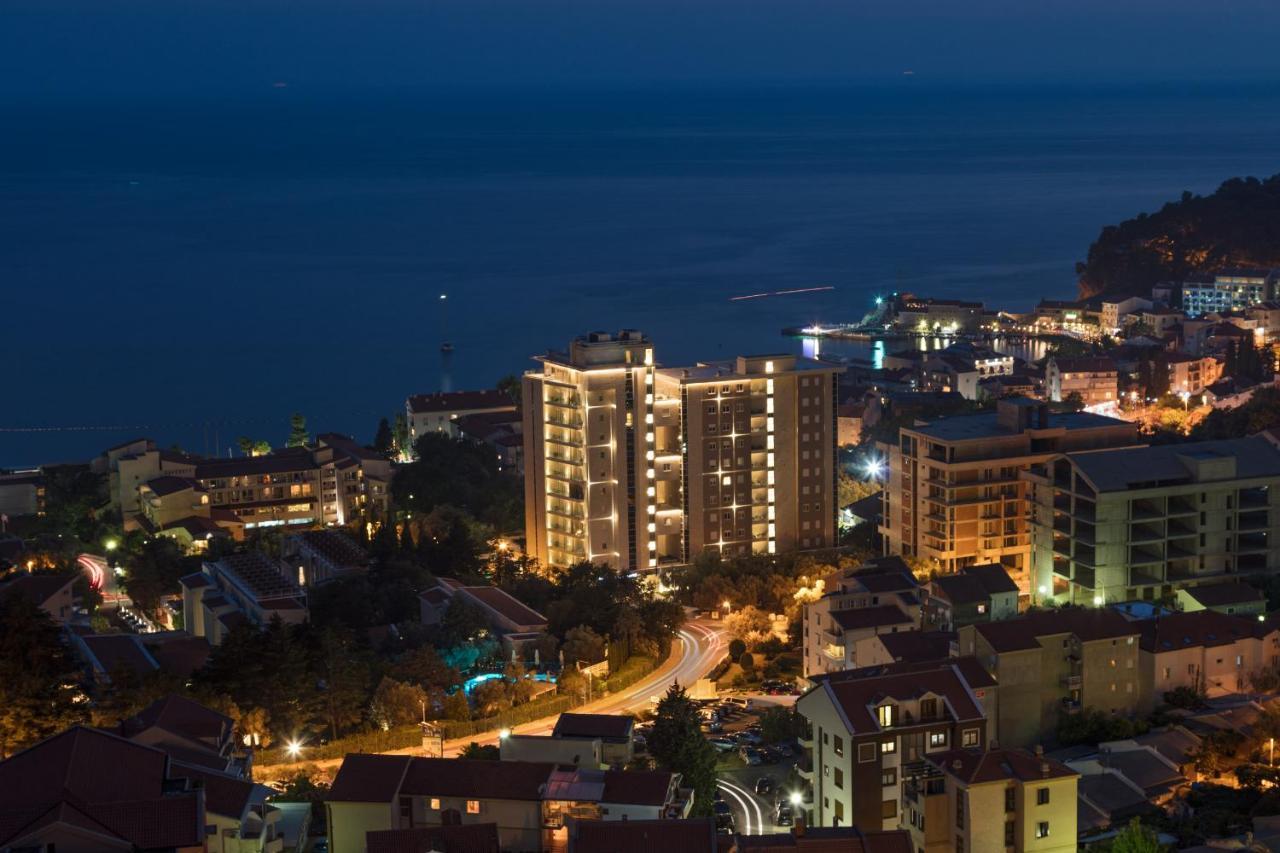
[{"x": 1236, "y": 226}]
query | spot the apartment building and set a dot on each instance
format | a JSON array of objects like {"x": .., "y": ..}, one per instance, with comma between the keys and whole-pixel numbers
[
  {"x": 1190, "y": 374},
  {"x": 1114, "y": 313},
  {"x": 993, "y": 801},
  {"x": 953, "y": 494},
  {"x": 322, "y": 556},
  {"x": 872, "y": 728},
  {"x": 637, "y": 467},
  {"x": 1096, "y": 380},
  {"x": 440, "y": 412},
  {"x": 1213, "y": 653},
  {"x": 880, "y": 597},
  {"x": 245, "y": 588},
  {"x": 22, "y": 493},
  {"x": 532, "y": 803},
  {"x": 973, "y": 594},
  {"x": 334, "y": 482},
  {"x": 1053, "y": 662},
  {"x": 1142, "y": 522},
  {"x": 1228, "y": 290}
]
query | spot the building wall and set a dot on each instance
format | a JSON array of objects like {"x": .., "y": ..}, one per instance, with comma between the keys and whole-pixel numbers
[
  {"x": 1217, "y": 670},
  {"x": 349, "y": 822},
  {"x": 519, "y": 821}
]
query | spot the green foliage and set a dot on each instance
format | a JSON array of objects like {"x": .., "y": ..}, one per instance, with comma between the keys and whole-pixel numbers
[
  {"x": 1093, "y": 726},
  {"x": 677, "y": 745},
  {"x": 582, "y": 644},
  {"x": 780, "y": 724},
  {"x": 544, "y": 706},
  {"x": 298, "y": 435},
  {"x": 1260, "y": 413},
  {"x": 396, "y": 703},
  {"x": 464, "y": 474},
  {"x": 384, "y": 439},
  {"x": 1073, "y": 402},
  {"x": 747, "y": 662},
  {"x": 737, "y": 648},
  {"x": 850, "y": 489},
  {"x": 475, "y": 751},
  {"x": 155, "y": 571},
  {"x": 1238, "y": 225},
  {"x": 374, "y": 740},
  {"x": 1190, "y": 698},
  {"x": 1135, "y": 838},
  {"x": 510, "y": 385},
  {"x": 37, "y": 676},
  {"x": 253, "y": 447}
]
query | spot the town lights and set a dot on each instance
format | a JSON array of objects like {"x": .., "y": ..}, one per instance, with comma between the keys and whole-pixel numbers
[
  {"x": 293, "y": 748},
  {"x": 796, "y": 799},
  {"x": 873, "y": 468},
  {"x": 503, "y": 734}
]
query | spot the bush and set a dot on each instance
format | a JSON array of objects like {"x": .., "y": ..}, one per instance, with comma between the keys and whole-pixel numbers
[
  {"x": 526, "y": 713},
  {"x": 737, "y": 648},
  {"x": 747, "y": 662}
]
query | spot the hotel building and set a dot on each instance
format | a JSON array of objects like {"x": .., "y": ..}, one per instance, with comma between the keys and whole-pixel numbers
[
  {"x": 953, "y": 493},
  {"x": 1143, "y": 522},
  {"x": 636, "y": 466},
  {"x": 1227, "y": 291}
]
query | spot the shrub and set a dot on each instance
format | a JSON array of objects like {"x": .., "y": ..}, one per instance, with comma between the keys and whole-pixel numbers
[
  {"x": 737, "y": 648},
  {"x": 747, "y": 662}
]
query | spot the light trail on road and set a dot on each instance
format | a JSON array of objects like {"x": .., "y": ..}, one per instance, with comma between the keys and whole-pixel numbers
[{"x": 748, "y": 802}]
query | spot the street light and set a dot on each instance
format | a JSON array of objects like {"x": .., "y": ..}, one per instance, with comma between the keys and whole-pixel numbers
[
  {"x": 503, "y": 734},
  {"x": 111, "y": 544},
  {"x": 293, "y": 748},
  {"x": 796, "y": 799}
]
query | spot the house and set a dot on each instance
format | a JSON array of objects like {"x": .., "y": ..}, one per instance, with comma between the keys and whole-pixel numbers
[
  {"x": 191, "y": 733},
  {"x": 974, "y": 594},
  {"x": 824, "y": 839},
  {"x": 1094, "y": 379},
  {"x": 869, "y": 726},
  {"x": 614, "y": 731},
  {"x": 51, "y": 592},
  {"x": 1053, "y": 662},
  {"x": 531, "y": 803},
  {"x": 247, "y": 587},
  {"x": 238, "y": 818},
  {"x": 1108, "y": 800},
  {"x": 325, "y": 555},
  {"x": 89, "y": 791},
  {"x": 880, "y": 596},
  {"x": 438, "y": 412},
  {"x": 1229, "y": 597},
  {"x": 984, "y": 801},
  {"x": 1205, "y": 651},
  {"x": 22, "y": 493},
  {"x": 1145, "y": 768}
]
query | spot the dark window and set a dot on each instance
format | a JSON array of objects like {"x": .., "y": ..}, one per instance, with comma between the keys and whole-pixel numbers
[
  {"x": 839, "y": 778},
  {"x": 1009, "y": 799},
  {"x": 1008, "y": 834},
  {"x": 1042, "y": 796}
]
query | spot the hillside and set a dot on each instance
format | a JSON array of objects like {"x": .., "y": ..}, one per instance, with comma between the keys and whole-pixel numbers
[{"x": 1237, "y": 225}]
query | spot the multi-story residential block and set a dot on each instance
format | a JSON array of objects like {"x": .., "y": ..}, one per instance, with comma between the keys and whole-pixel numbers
[
  {"x": 249, "y": 587},
  {"x": 1228, "y": 290},
  {"x": 1141, "y": 522},
  {"x": 962, "y": 367},
  {"x": 1114, "y": 313},
  {"x": 636, "y": 467},
  {"x": 1052, "y": 662},
  {"x": 974, "y": 594},
  {"x": 439, "y": 412},
  {"x": 993, "y": 801},
  {"x": 322, "y": 556},
  {"x": 22, "y": 493},
  {"x": 532, "y": 803},
  {"x": 881, "y": 597},
  {"x": 1212, "y": 653},
  {"x": 1190, "y": 374},
  {"x": 1096, "y": 380},
  {"x": 953, "y": 493},
  {"x": 1266, "y": 316},
  {"x": 335, "y": 482},
  {"x": 1161, "y": 320},
  {"x": 871, "y": 728}
]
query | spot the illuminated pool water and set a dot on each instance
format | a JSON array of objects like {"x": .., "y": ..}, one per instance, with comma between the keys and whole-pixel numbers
[{"x": 470, "y": 683}]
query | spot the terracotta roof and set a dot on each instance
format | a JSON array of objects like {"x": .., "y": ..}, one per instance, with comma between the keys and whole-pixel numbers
[
  {"x": 112, "y": 652},
  {"x": 1011, "y": 635},
  {"x": 504, "y": 604},
  {"x": 603, "y": 726},
  {"x": 918, "y": 645},
  {"x": 223, "y": 794},
  {"x": 856, "y": 697},
  {"x": 461, "y": 838},
  {"x": 456, "y": 401},
  {"x": 349, "y": 446},
  {"x": 180, "y": 716},
  {"x": 37, "y": 588},
  {"x": 336, "y": 547},
  {"x": 636, "y": 787},
  {"x": 277, "y": 462},
  {"x": 977, "y": 766},
  {"x": 830, "y": 840},
  {"x": 1084, "y": 365},
  {"x": 479, "y": 779},
  {"x": 369, "y": 778},
  {"x": 970, "y": 669},
  {"x": 696, "y": 835},
  {"x": 1219, "y": 594},
  {"x": 870, "y": 617},
  {"x": 170, "y": 485},
  {"x": 1206, "y": 628}
]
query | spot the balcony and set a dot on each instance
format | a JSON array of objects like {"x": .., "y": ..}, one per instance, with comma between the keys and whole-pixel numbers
[
  {"x": 1254, "y": 520},
  {"x": 1073, "y": 682}
]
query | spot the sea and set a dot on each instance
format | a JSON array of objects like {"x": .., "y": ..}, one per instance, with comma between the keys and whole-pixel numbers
[{"x": 195, "y": 270}]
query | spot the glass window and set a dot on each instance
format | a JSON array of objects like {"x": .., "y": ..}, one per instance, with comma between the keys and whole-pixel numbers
[{"x": 473, "y": 807}]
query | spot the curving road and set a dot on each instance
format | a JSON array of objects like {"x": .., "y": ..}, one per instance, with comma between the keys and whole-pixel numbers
[{"x": 702, "y": 646}]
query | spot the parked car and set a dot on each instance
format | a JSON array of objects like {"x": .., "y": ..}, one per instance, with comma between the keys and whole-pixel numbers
[
  {"x": 782, "y": 815},
  {"x": 723, "y": 744},
  {"x": 785, "y": 750},
  {"x": 748, "y": 736},
  {"x": 764, "y": 785},
  {"x": 715, "y": 726},
  {"x": 750, "y": 757}
]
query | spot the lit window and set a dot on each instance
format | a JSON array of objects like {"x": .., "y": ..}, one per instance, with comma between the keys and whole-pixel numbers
[
  {"x": 884, "y": 714},
  {"x": 435, "y": 804},
  {"x": 1042, "y": 829},
  {"x": 473, "y": 807}
]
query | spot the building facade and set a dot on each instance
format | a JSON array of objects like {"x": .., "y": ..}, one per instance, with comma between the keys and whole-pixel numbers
[
  {"x": 1142, "y": 522},
  {"x": 1228, "y": 291},
  {"x": 953, "y": 493},
  {"x": 636, "y": 467},
  {"x": 1096, "y": 380},
  {"x": 440, "y": 412}
]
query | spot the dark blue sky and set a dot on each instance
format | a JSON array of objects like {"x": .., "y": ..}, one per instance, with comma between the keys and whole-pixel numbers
[{"x": 162, "y": 46}]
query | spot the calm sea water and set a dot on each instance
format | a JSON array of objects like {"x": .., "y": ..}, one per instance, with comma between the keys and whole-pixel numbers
[{"x": 186, "y": 269}]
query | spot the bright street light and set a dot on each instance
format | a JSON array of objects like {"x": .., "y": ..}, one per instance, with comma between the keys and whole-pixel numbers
[
  {"x": 503, "y": 734},
  {"x": 294, "y": 748},
  {"x": 873, "y": 468},
  {"x": 111, "y": 544},
  {"x": 796, "y": 799}
]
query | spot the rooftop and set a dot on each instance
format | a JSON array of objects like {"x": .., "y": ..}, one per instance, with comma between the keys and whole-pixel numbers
[
  {"x": 459, "y": 838},
  {"x": 1221, "y": 594},
  {"x": 460, "y": 401},
  {"x": 170, "y": 485},
  {"x": 975, "y": 767},
  {"x": 1131, "y": 468},
  {"x": 1022, "y": 632},
  {"x": 262, "y": 575},
  {"x": 334, "y": 546},
  {"x": 987, "y": 425},
  {"x": 858, "y": 696},
  {"x": 1199, "y": 628},
  {"x": 870, "y": 617},
  {"x": 603, "y": 726},
  {"x": 696, "y": 835},
  {"x": 508, "y": 607}
]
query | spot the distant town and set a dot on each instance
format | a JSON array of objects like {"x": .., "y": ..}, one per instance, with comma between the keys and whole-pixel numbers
[{"x": 951, "y": 597}]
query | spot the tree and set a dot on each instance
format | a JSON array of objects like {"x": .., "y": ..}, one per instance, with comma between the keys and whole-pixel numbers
[
  {"x": 850, "y": 489},
  {"x": 459, "y": 473},
  {"x": 582, "y": 644},
  {"x": 1136, "y": 838},
  {"x": 737, "y": 648},
  {"x": 510, "y": 385},
  {"x": 253, "y": 447},
  {"x": 779, "y": 724},
  {"x": 462, "y": 622},
  {"x": 424, "y": 667},
  {"x": 384, "y": 439},
  {"x": 456, "y": 707},
  {"x": 37, "y": 676},
  {"x": 343, "y": 678},
  {"x": 749, "y": 623},
  {"x": 255, "y": 724},
  {"x": 476, "y": 752},
  {"x": 154, "y": 573},
  {"x": 396, "y": 703},
  {"x": 1073, "y": 401},
  {"x": 490, "y": 697},
  {"x": 400, "y": 434},
  {"x": 677, "y": 745},
  {"x": 298, "y": 436},
  {"x": 747, "y": 662}
]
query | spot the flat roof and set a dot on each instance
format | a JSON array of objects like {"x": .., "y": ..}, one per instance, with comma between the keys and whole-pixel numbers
[
  {"x": 1127, "y": 468},
  {"x": 987, "y": 424}
]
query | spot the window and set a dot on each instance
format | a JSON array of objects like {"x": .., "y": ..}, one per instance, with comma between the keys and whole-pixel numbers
[
  {"x": 838, "y": 746},
  {"x": 866, "y": 752},
  {"x": 937, "y": 738},
  {"x": 888, "y": 746},
  {"x": 435, "y": 804},
  {"x": 884, "y": 715},
  {"x": 1042, "y": 829},
  {"x": 839, "y": 816},
  {"x": 888, "y": 776},
  {"x": 839, "y": 779},
  {"x": 969, "y": 737},
  {"x": 1010, "y": 799},
  {"x": 406, "y": 807},
  {"x": 888, "y": 809},
  {"x": 473, "y": 807},
  {"x": 928, "y": 709},
  {"x": 1042, "y": 796},
  {"x": 1009, "y": 834}
]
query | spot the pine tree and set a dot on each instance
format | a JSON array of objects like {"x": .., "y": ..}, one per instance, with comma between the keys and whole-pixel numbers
[
  {"x": 678, "y": 745},
  {"x": 383, "y": 440},
  {"x": 298, "y": 436}
]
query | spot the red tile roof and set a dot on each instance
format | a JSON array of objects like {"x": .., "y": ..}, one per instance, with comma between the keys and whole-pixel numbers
[
  {"x": 369, "y": 778},
  {"x": 37, "y": 588},
  {"x": 636, "y": 787},
  {"x": 1089, "y": 624},
  {"x": 870, "y": 617},
  {"x": 183, "y": 717},
  {"x": 696, "y": 835},
  {"x": 114, "y": 652},
  {"x": 856, "y": 697},
  {"x": 974, "y": 766},
  {"x": 478, "y": 779},
  {"x": 223, "y": 794},
  {"x": 502, "y": 603},
  {"x": 1199, "y": 628}
]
